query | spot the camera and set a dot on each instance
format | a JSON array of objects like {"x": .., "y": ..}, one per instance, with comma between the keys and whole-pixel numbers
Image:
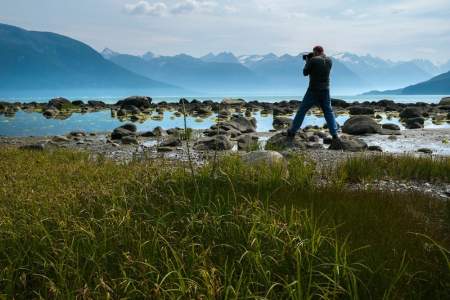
[{"x": 307, "y": 55}]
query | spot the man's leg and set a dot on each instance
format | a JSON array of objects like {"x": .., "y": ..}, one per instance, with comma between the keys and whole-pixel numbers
[
  {"x": 325, "y": 105},
  {"x": 307, "y": 103}
]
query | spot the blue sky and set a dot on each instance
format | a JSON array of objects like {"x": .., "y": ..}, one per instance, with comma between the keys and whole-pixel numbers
[{"x": 397, "y": 30}]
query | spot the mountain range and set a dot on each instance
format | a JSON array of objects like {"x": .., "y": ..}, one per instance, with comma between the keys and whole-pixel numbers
[
  {"x": 33, "y": 60},
  {"x": 275, "y": 74}
]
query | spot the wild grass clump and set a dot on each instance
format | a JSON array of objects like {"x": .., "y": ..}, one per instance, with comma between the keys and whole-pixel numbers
[
  {"x": 408, "y": 167},
  {"x": 74, "y": 227}
]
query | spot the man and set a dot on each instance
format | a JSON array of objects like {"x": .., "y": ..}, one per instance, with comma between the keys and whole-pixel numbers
[{"x": 318, "y": 69}]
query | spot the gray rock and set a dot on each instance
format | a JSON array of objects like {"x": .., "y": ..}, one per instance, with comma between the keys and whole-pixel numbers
[
  {"x": 60, "y": 139},
  {"x": 239, "y": 123},
  {"x": 33, "y": 147},
  {"x": 280, "y": 122},
  {"x": 59, "y": 103},
  {"x": 375, "y": 148},
  {"x": 390, "y": 126},
  {"x": 425, "y": 150},
  {"x": 140, "y": 102},
  {"x": 415, "y": 123},
  {"x": 121, "y": 132},
  {"x": 361, "y": 110},
  {"x": 281, "y": 141},
  {"x": 129, "y": 139},
  {"x": 218, "y": 142},
  {"x": 358, "y": 125},
  {"x": 96, "y": 104},
  {"x": 171, "y": 141},
  {"x": 348, "y": 144},
  {"x": 263, "y": 157},
  {"x": 163, "y": 149},
  {"x": 411, "y": 112},
  {"x": 129, "y": 126},
  {"x": 247, "y": 142},
  {"x": 445, "y": 101}
]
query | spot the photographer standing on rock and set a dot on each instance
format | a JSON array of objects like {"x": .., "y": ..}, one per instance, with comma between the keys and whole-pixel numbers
[{"x": 318, "y": 68}]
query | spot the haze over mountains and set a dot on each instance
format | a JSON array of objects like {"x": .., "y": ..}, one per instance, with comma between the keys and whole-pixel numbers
[
  {"x": 34, "y": 61},
  {"x": 275, "y": 74}
]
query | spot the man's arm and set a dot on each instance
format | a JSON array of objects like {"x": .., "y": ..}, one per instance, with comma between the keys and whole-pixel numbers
[{"x": 307, "y": 68}]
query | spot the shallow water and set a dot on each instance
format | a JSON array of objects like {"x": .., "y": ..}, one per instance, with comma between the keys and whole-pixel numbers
[{"x": 35, "y": 124}]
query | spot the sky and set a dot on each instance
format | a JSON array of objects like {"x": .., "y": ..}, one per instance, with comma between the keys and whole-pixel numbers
[{"x": 397, "y": 29}]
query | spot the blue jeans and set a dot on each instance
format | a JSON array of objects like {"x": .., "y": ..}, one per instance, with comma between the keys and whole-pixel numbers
[{"x": 320, "y": 98}]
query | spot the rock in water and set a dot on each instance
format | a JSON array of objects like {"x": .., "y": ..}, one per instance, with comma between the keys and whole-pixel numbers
[
  {"x": 140, "y": 102},
  {"x": 348, "y": 144},
  {"x": 59, "y": 103},
  {"x": 281, "y": 141},
  {"x": 263, "y": 157},
  {"x": 281, "y": 122},
  {"x": 361, "y": 110},
  {"x": 243, "y": 124},
  {"x": 218, "y": 142},
  {"x": 359, "y": 125},
  {"x": 411, "y": 112}
]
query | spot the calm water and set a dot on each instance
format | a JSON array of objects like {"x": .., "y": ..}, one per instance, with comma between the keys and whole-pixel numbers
[
  {"x": 360, "y": 98},
  {"x": 35, "y": 124}
]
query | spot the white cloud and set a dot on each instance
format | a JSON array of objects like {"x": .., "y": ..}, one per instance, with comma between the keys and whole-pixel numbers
[
  {"x": 177, "y": 7},
  {"x": 145, "y": 8}
]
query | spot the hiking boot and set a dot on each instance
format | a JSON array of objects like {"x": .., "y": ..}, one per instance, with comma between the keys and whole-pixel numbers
[{"x": 336, "y": 143}]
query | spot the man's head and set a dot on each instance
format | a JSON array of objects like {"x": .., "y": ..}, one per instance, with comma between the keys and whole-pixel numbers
[{"x": 318, "y": 50}]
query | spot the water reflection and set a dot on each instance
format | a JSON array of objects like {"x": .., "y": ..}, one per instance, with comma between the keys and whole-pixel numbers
[{"x": 35, "y": 124}]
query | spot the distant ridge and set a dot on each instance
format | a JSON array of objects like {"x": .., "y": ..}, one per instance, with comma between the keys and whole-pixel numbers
[
  {"x": 438, "y": 85},
  {"x": 43, "y": 60}
]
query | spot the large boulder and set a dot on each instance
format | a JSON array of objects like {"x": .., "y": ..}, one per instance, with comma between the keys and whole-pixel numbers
[
  {"x": 281, "y": 141},
  {"x": 348, "y": 144},
  {"x": 411, "y": 112},
  {"x": 358, "y": 125},
  {"x": 263, "y": 157},
  {"x": 218, "y": 142},
  {"x": 141, "y": 102},
  {"x": 361, "y": 110},
  {"x": 59, "y": 103},
  {"x": 281, "y": 122}
]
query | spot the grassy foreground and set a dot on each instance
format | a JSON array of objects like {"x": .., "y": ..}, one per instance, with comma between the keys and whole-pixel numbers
[{"x": 72, "y": 227}]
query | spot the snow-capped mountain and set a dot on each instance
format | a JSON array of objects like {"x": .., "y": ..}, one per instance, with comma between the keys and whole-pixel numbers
[{"x": 223, "y": 57}]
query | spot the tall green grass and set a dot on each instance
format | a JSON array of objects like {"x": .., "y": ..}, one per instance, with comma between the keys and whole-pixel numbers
[
  {"x": 76, "y": 227},
  {"x": 408, "y": 167}
]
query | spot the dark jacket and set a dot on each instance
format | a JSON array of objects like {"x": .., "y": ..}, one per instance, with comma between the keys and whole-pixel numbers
[{"x": 318, "y": 69}]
